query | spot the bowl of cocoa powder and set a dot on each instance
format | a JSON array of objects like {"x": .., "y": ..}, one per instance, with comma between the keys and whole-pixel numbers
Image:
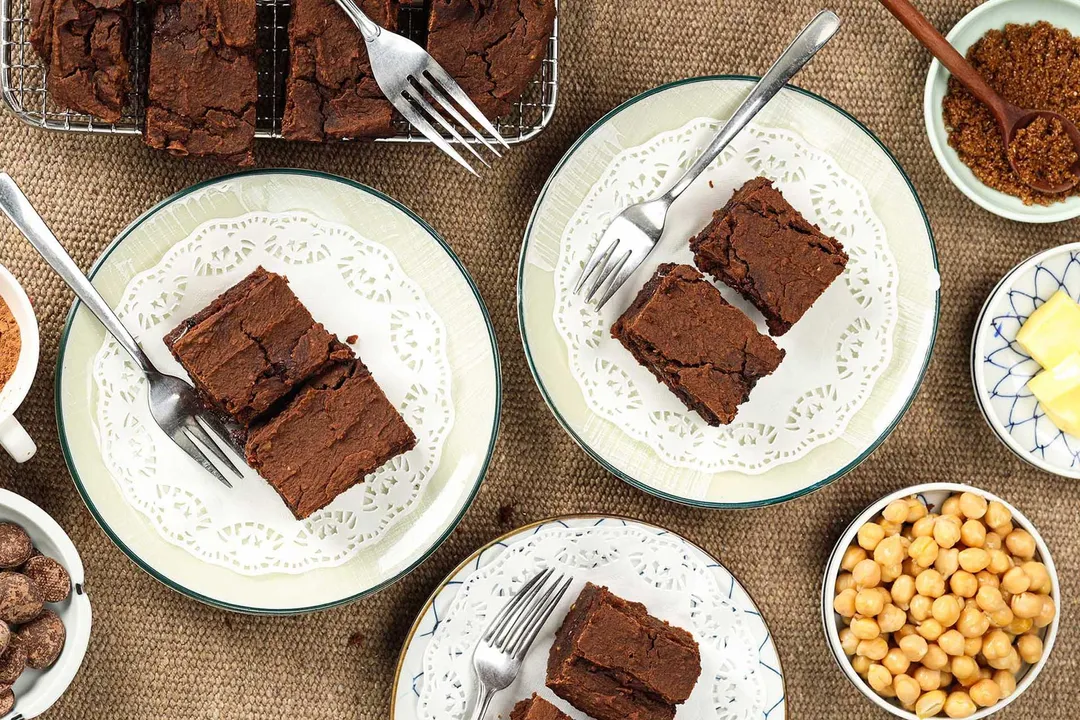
[
  {"x": 19, "y": 347},
  {"x": 1029, "y": 52}
]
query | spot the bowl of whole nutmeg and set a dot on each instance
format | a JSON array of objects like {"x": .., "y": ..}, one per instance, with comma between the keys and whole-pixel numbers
[
  {"x": 941, "y": 601},
  {"x": 44, "y": 610}
]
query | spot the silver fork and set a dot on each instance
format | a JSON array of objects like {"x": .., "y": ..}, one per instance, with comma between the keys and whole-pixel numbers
[
  {"x": 498, "y": 657},
  {"x": 174, "y": 404},
  {"x": 633, "y": 234},
  {"x": 405, "y": 72}
]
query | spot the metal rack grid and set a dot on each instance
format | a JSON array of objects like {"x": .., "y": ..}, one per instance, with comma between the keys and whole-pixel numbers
[{"x": 23, "y": 77}]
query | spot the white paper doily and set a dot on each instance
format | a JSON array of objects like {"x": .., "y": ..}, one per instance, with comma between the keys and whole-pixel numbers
[
  {"x": 672, "y": 578},
  {"x": 835, "y": 353},
  {"x": 352, "y": 285}
]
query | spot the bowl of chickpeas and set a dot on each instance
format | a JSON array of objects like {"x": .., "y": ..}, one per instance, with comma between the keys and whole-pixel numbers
[{"x": 940, "y": 601}]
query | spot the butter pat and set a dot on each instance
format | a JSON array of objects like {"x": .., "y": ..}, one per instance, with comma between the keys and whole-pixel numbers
[
  {"x": 1058, "y": 391},
  {"x": 1052, "y": 333}
]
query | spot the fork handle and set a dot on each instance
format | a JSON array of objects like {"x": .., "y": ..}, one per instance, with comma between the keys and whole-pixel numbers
[
  {"x": 17, "y": 207},
  {"x": 812, "y": 38},
  {"x": 368, "y": 28},
  {"x": 483, "y": 701}
]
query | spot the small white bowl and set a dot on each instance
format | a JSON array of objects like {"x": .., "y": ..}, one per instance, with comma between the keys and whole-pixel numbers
[
  {"x": 13, "y": 437},
  {"x": 933, "y": 495},
  {"x": 1000, "y": 369},
  {"x": 994, "y": 15},
  {"x": 37, "y": 690}
]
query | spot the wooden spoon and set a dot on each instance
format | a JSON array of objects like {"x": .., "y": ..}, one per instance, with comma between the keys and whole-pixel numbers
[{"x": 1010, "y": 118}]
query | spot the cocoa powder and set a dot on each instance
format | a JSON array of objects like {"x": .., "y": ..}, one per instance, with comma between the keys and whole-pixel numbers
[{"x": 10, "y": 343}]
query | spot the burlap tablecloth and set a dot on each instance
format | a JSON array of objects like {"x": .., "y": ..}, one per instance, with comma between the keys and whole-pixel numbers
[{"x": 156, "y": 654}]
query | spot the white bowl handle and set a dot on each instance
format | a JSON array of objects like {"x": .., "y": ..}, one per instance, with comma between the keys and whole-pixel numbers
[{"x": 16, "y": 441}]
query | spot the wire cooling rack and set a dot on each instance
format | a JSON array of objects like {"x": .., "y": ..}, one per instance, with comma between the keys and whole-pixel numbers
[{"x": 23, "y": 77}]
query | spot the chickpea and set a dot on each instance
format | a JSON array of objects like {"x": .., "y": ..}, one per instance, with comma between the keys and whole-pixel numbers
[
  {"x": 928, "y": 679},
  {"x": 1026, "y": 605},
  {"x": 1006, "y": 681},
  {"x": 914, "y": 647},
  {"x": 996, "y": 645},
  {"x": 930, "y": 704},
  {"x": 852, "y": 557},
  {"x": 870, "y": 535},
  {"x": 989, "y": 598},
  {"x": 947, "y": 531},
  {"x": 916, "y": 510},
  {"x": 973, "y": 646},
  {"x": 974, "y": 559},
  {"x": 963, "y": 584},
  {"x": 896, "y": 662},
  {"x": 930, "y": 629},
  {"x": 844, "y": 603},
  {"x": 924, "y": 526},
  {"x": 1021, "y": 544},
  {"x": 946, "y": 678},
  {"x": 985, "y": 693},
  {"x": 865, "y": 628},
  {"x": 920, "y": 608},
  {"x": 867, "y": 574},
  {"x": 930, "y": 583},
  {"x": 907, "y": 689},
  {"x": 959, "y": 705},
  {"x": 948, "y": 561},
  {"x": 935, "y": 658},
  {"x": 924, "y": 551},
  {"x": 946, "y": 610},
  {"x": 993, "y": 541},
  {"x": 1019, "y": 626},
  {"x": 1038, "y": 576},
  {"x": 951, "y": 507},
  {"x": 973, "y": 534},
  {"x": 1046, "y": 615},
  {"x": 903, "y": 632},
  {"x": 1001, "y": 617},
  {"x": 848, "y": 641},
  {"x": 890, "y": 551},
  {"x": 875, "y": 649},
  {"x": 997, "y": 514},
  {"x": 973, "y": 623},
  {"x": 1004, "y": 530},
  {"x": 868, "y": 602},
  {"x": 891, "y": 619},
  {"x": 952, "y": 642},
  {"x": 1030, "y": 648},
  {"x": 964, "y": 667},
  {"x": 879, "y": 677},
  {"x": 1000, "y": 562},
  {"x": 987, "y": 578},
  {"x": 889, "y": 573},
  {"x": 861, "y": 664},
  {"x": 972, "y": 506},
  {"x": 1010, "y": 662},
  {"x": 896, "y": 511},
  {"x": 902, "y": 591}
]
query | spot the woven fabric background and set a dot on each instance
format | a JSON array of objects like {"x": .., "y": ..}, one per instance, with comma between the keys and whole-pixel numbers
[{"x": 156, "y": 654}]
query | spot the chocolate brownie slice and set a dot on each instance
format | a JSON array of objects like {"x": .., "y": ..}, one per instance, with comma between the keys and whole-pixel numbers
[
  {"x": 537, "y": 708},
  {"x": 252, "y": 346},
  {"x": 330, "y": 93},
  {"x": 203, "y": 79},
  {"x": 339, "y": 428},
  {"x": 707, "y": 351},
  {"x": 764, "y": 248},
  {"x": 41, "y": 28},
  {"x": 89, "y": 70},
  {"x": 492, "y": 48},
  {"x": 612, "y": 660}
]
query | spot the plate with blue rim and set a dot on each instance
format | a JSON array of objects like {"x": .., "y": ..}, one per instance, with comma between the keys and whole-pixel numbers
[
  {"x": 1001, "y": 370},
  {"x": 514, "y": 552}
]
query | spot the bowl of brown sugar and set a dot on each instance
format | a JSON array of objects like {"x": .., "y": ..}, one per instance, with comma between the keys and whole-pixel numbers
[
  {"x": 18, "y": 363},
  {"x": 1029, "y": 52}
]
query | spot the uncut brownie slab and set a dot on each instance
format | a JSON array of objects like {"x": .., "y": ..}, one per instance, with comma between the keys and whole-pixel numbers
[
  {"x": 339, "y": 428},
  {"x": 492, "y": 48},
  {"x": 707, "y": 351},
  {"x": 611, "y": 659},
  {"x": 253, "y": 345},
  {"x": 761, "y": 246},
  {"x": 537, "y": 708},
  {"x": 203, "y": 79},
  {"x": 86, "y": 45},
  {"x": 330, "y": 93}
]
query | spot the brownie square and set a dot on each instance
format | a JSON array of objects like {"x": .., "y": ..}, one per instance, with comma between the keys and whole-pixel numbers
[
  {"x": 612, "y": 660},
  {"x": 761, "y": 246},
  {"x": 707, "y": 351},
  {"x": 86, "y": 45},
  {"x": 252, "y": 346},
  {"x": 493, "y": 49},
  {"x": 203, "y": 79},
  {"x": 339, "y": 428},
  {"x": 330, "y": 93},
  {"x": 537, "y": 708}
]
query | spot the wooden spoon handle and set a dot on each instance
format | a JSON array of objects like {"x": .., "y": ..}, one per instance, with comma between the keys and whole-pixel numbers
[{"x": 940, "y": 48}]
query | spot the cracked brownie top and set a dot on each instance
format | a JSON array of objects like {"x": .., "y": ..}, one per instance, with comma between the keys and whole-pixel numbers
[
  {"x": 86, "y": 43},
  {"x": 708, "y": 352},
  {"x": 761, "y": 246},
  {"x": 491, "y": 47},
  {"x": 252, "y": 345}
]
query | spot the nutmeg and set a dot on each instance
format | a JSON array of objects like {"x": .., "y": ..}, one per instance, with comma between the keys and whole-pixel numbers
[
  {"x": 5, "y": 638},
  {"x": 50, "y": 576},
  {"x": 20, "y": 598},
  {"x": 43, "y": 639},
  {"x": 7, "y": 702},
  {"x": 12, "y": 661},
  {"x": 15, "y": 546}
]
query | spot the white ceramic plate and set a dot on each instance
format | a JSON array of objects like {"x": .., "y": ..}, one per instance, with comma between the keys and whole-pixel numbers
[
  {"x": 587, "y": 546},
  {"x": 471, "y": 351},
  {"x": 1001, "y": 370},
  {"x": 993, "y": 15},
  {"x": 852, "y": 148},
  {"x": 37, "y": 690}
]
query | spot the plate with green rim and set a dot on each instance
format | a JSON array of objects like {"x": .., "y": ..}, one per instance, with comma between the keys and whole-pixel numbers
[
  {"x": 648, "y": 120},
  {"x": 470, "y": 348}
]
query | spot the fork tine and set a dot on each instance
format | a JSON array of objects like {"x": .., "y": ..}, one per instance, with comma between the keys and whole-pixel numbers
[
  {"x": 420, "y": 100},
  {"x": 448, "y": 105},
  {"x": 217, "y": 426},
  {"x": 450, "y": 86},
  {"x": 196, "y": 431},
  {"x": 608, "y": 270},
  {"x": 621, "y": 276},
  {"x": 413, "y": 116},
  {"x": 595, "y": 260},
  {"x": 540, "y": 619},
  {"x": 509, "y": 607},
  {"x": 513, "y": 619},
  {"x": 185, "y": 444}
]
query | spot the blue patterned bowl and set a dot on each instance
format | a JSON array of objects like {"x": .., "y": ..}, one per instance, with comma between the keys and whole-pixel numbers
[{"x": 1000, "y": 369}]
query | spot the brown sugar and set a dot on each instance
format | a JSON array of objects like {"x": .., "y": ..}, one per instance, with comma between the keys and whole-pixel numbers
[
  {"x": 10, "y": 343},
  {"x": 1031, "y": 66},
  {"x": 1043, "y": 153}
]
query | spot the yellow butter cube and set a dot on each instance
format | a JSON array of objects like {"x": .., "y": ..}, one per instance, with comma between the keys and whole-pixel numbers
[
  {"x": 1052, "y": 333},
  {"x": 1058, "y": 391}
]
